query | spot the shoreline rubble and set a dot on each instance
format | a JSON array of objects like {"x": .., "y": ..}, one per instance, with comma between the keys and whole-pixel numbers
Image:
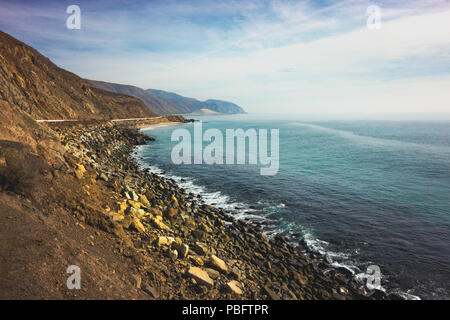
[{"x": 211, "y": 255}]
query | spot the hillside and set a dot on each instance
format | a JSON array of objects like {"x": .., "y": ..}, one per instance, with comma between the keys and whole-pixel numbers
[
  {"x": 163, "y": 102},
  {"x": 31, "y": 83},
  {"x": 153, "y": 102},
  {"x": 203, "y": 112}
]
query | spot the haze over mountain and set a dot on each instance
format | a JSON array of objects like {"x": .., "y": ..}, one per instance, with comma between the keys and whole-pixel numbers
[{"x": 163, "y": 102}]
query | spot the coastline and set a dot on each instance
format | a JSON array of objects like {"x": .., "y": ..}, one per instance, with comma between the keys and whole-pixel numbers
[
  {"x": 163, "y": 242},
  {"x": 244, "y": 213},
  {"x": 312, "y": 276}
]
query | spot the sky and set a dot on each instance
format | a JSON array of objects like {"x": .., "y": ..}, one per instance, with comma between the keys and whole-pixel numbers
[{"x": 266, "y": 56}]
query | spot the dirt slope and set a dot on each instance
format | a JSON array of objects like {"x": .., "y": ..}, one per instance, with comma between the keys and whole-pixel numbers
[{"x": 32, "y": 83}]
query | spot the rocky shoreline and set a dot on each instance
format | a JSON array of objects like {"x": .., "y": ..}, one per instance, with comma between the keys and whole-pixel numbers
[{"x": 185, "y": 249}]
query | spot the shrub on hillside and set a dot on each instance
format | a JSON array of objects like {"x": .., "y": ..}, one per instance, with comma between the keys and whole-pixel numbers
[{"x": 19, "y": 169}]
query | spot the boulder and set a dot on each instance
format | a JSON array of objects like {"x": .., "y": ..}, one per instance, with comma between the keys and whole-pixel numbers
[
  {"x": 235, "y": 273},
  {"x": 81, "y": 168},
  {"x": 156, "y": 212},
  {"x": 122, "y": 207},
  {"x": 152, "y": 291},
  {"x": 103, "y": 177},
  {"x": 126, "y": 222},
  {"x": 135, "y": 204},
  {"x": 115, "y": 216},
  {"x": 79, "y": 174},
  {"x": 189, "y": 222},
  {"x": 196, "y": 260},
  {"x": 175, "y": 201},
  {"x": 150, "y": 195},
  {"x": 164, "y": 241},
  {"x": 173, "y": 254},
  {"x": 183, "y": 250},
  {"x": 214, "y": 274},
  {"x": 159, "y": 224},
  {"x": 137, "y": 213},
  {"x": 136, "y": 224},
  {"x": 299, "y": 278},
  {"x": 198, "y": 234},
  {"x": 144, "y": 200},
  {"x": 137, "y": 280},
  {"x": 171, "y": 213},
  {"x": 218, "y": 264},
  {"x": 272, "y": 295},
  {"x": 234, "y": 287},
  {"x": 205, "y": 228},
  {"x": 200, "y": 248},
  {"x": 200, "y": 276}
]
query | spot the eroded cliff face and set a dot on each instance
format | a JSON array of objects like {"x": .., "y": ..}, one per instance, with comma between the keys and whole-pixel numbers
[
  {"x": 40, "y": 233},
  {"x": 33, "y": 84}
]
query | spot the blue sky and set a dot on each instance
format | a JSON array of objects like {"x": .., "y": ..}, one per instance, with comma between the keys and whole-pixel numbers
[{"x": 267, "y": 56}]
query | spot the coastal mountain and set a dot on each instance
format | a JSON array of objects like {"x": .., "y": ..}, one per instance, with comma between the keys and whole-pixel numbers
[
  {"x": 153, "y": 102},
  {"x": 31, "y": 83},
  {"x": 192, "y": 105},
  {"x": 163, "y": 102}
]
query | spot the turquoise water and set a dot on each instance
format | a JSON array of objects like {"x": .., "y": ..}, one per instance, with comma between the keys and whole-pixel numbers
[{"x": 359, "y": 192}]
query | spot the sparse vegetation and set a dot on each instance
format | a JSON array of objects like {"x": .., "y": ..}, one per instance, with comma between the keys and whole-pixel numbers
[{"x": 19, "y": 170}]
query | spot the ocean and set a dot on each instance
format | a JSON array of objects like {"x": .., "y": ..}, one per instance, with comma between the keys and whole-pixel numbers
[{"x": 358, "y": 192}]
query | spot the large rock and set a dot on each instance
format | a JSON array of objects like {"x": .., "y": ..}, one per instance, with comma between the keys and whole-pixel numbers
[
  {"x": 234, "y": 287},
  {"x": 214, "y": 274},
  {"x": 79, "y": 171},
  {"x": 200, "y": 248},
  {"x": 183, "y": 250},
  {"x": 137, "y": 213},
  {"x": 157, "y": 222},
  {"x": 299, "y": 278},
  {"x": 115, "y": 216},
  {"x": 136, "y": 224},
  {"x": 272, "y": 295},
  {"x": 122, "y": 207},
  {"x": 218, "y": 264},
  {"x": 81, "y": 168},
  {"x": 144, "y": 200},
  {"x": 135, "y": 204},
  {"x": 79, "y": 174},
  {"x": 152, "y": 291},
  {"x": 165, "y": 241},
  {"x": 171, "y": 213},
  {"x": 189, "y": 222},
  {"x": 196, "y": 260},
  {"x": 155, "y": 211},
  {"x": 173, "y": 254},
  {"x": 235, "y": 273},
  {"x": 150, "y": 195},
  {"x": 205, "y": 228},
  {"x": 201, "y": 276},
  {"x": 175, "y": 201}
]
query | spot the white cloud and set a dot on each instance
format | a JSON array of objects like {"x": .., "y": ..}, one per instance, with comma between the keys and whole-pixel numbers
[{"x": 291, "y": 57}]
